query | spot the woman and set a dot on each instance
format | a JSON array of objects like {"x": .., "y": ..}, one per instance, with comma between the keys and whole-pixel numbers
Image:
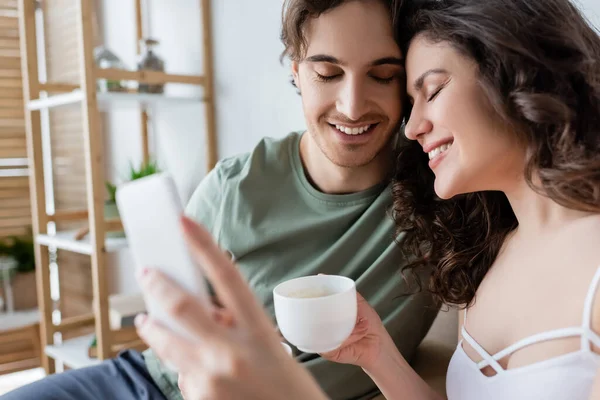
[{"x": 498, "y": 185}]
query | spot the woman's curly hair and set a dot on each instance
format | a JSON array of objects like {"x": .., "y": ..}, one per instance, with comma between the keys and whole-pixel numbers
[{"x": 539, "y": 65}]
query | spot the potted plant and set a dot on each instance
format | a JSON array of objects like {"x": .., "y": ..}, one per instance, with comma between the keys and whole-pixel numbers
[
  {"x": 146, "y": 169},
  {"x": 111, "y": 212},
  {"x": 23, "y": 283},
  {"x": 7, "y": 258}
]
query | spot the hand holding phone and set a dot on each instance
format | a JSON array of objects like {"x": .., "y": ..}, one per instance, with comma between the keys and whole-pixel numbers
[{"x": 150, "y": 210}]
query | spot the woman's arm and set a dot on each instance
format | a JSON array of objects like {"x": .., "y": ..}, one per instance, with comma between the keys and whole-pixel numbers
[{"x": 396, "y": 379}]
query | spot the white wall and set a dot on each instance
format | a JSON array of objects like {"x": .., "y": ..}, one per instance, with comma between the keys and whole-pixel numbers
[
  {"x": 591, "y": 9},
  {"x": 253, "y": 95},
  {"x": 252, "y": 90}
]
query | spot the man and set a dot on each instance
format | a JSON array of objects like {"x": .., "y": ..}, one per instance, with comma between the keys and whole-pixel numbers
[{"x": 310, "y": 203}]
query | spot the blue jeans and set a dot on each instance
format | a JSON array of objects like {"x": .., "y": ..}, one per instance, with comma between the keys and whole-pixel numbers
[{"x": 122, "y": 378}]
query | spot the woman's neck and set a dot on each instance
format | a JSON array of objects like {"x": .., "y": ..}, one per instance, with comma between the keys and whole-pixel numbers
[{"x": 537, "y": 213}]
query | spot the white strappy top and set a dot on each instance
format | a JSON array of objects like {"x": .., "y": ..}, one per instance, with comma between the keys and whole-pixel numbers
[{"x": 566, "y": 377}]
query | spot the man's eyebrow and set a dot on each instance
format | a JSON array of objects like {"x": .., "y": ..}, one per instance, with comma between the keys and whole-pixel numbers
[
  {"x": 324, "y": 58},
  {"x": 332, "y": 60}
]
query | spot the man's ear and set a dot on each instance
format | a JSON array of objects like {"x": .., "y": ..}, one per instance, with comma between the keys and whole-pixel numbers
[{"x": 295, "y": 77}]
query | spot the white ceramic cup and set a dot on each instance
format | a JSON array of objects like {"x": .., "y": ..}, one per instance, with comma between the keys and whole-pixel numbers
[{"x": 316, "y": 313}]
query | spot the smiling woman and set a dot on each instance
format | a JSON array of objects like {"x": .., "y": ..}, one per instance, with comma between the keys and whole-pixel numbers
[
  {"x": 498, "y": 185},
  {"x": 490, "y": 103}
]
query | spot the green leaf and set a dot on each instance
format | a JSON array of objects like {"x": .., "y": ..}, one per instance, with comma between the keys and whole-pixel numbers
[
  {"x": 112, "y": 191},
  {"x": 145, "y": 169},
  {"x": 20, "y": 248},
  {"x": 4, "y": 248}
]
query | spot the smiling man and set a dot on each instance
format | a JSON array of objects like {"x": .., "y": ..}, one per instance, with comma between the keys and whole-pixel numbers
[{"x": 312, "y": 202}]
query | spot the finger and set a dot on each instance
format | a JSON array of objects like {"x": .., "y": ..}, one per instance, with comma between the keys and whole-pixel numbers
[
  {"x": 168, "y": 345},
  {"x": 347, "y": 355},
  {"x": 360, "y": 299},
  {"x": 184, "y": 386},
  {"x": 181, "y": 386},
  {"x": 223, "y": 317},
  {"x": 179, "y": 304},
  {"x": 360, "y": 331},
  {"x": 232, "y": 290},
  {"x": 216, "y": 302},
  {"x": 279, "y": 334}
]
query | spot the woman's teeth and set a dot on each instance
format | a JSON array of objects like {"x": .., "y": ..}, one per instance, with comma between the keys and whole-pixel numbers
[
  {"x": 352, "y": 131},
  {"x": 439, "y": 150}
]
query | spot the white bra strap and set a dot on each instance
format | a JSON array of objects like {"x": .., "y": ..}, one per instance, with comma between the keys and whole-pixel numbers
[
  {"x": 593, "y": 337},
  {"x": 539, "y": 338},
  {"x": 487, "y": 358},
  {"x": 587, "y": 312}
]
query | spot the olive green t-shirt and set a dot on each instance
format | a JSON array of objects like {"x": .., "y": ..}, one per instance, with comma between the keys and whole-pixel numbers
[{"x": 262, "y": 209}]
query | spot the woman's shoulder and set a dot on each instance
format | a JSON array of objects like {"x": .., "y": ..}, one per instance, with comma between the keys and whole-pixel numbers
[
  {"x": 587, "y": 237},
  {"x": 579, "y": 240}
]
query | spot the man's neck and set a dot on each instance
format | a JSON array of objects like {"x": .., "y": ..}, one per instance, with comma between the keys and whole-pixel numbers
[{"x": 329, "y": 178}]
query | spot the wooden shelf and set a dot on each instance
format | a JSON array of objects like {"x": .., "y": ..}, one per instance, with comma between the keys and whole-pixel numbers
[
  {"x": 150, "y": 77},
  {"x": 108, "y": 100},
  {"x": 18, "y": 319},
  {"x": 73, "y": 89},
  {"x": 58, "y": 100},
  {"x": 66, "y": 241},
  {"x": 14, "y": 163},
  {"x": 121, "y": 100},
  {"x": 73, "y": 352}
]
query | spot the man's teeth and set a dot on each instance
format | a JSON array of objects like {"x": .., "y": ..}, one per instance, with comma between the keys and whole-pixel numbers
[
  {"x": 439, "y": 150},
  {"x": 352, "y": 131}
]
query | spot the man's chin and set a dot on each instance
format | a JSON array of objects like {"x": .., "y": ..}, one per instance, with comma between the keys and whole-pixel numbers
[
  {"x": 348, "y": 155},
  {"x": 356, "y": 159}
]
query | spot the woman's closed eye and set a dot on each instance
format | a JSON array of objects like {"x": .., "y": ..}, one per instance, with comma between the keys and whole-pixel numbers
[{"x": 436, "y": 92}]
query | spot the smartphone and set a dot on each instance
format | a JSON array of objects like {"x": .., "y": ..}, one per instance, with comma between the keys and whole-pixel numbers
[{"x": 150, "y": 210}]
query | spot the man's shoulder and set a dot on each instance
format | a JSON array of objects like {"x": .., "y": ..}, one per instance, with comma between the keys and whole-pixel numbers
[{"x": 271, "y": 156}]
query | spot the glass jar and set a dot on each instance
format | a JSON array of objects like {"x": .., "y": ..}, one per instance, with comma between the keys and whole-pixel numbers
[
  {"x": 8, "y": 266},
  {"x": 149, "y": 60},
  {"x": 104, "y": 58}
]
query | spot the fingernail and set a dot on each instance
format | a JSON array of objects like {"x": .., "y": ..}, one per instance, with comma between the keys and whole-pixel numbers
[
  {"x": 142, "y": 272},
  {"x": 140, "y": 319},
  {"x": 187, "y": 223}
]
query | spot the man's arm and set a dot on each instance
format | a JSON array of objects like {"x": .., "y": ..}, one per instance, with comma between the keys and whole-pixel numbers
[{"x": 205, "y": 205}]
